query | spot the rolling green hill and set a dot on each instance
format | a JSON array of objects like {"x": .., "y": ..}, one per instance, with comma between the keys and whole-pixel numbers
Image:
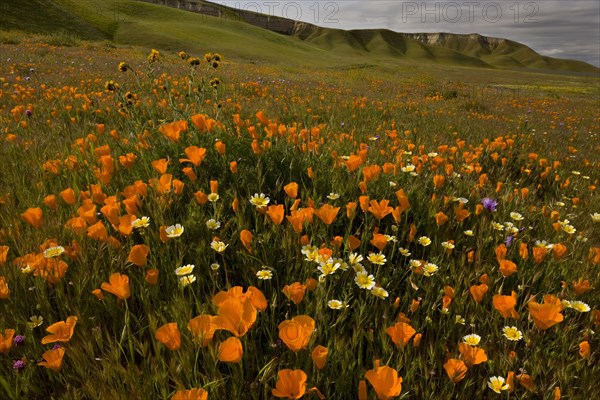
[{"x": 212, "y": 27}]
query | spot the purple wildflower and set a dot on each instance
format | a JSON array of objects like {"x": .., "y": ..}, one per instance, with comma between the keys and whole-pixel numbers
[
  {"x": 509, "y": 240},
  {"x": 18, "y": 340},
  {"x": 28, "y": 113},
  {"x": 19, "y": 365},
  {"x": 56, "y": 346},
  {"x": 489, "y": 204}
]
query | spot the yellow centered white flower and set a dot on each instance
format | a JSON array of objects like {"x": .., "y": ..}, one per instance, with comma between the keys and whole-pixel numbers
[
  {"x": 377, "y": 258},
  {"x": 595, "y": 218},
  {"x": 335, "y": 304},
  {"x": 415, "y": 263},
  {"x": 364, "y": 280},
  {"x": 333, "y": 196},
  {"x": 358, "y": 267},
  {"x": 497, "y": 226},
  {"x": 569, "y": 229},
  {"x": 36, "y": 321},
  {"x": 379, "y": 292},
  {"x": 408, "y": 168},
  {"x": 496, "y": 383},
  {"x": 55, "y": 251},
  {"x": 424, "y": 241},
  {"x": 544, "y": 244},
  {"x": 404, "y": 251},
  {"x": 218, "y": 246},
  {"x": 213, "y": 197},
  {"x": 560, "y": 204},
  {"x": 472, "y": 339},
  {"x": 174, "y": 231},
  {"x": 142, "y": 222},
  {"x": 469, "y": 233},
  {"x": 516, "y": 216},
  {"x": 430, "y": 269},
  {"x": 186, "y": 280},
  {"x": 580, "y": 306},
  {"x": 512, "y": 333},
  {"x": 215, "y": 266},
  {"x": 264, "y": 274},
  {"x": 185, "y": 270},
  {"x": 448, "y": 245},
  {"x": 329, "y": 267},
  {"x": 459, "y": 320},
  {"x": 213, "y": 224},
  {"x": 259, "y": 200},
  {"x": 355, "y": 258}
]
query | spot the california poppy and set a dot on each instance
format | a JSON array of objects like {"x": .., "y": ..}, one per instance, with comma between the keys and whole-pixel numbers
[
  {"x": 173, "y": 130},
  {"x": 6, "y": 340},
  {"x": 400, "y": 333},
  {"x": 168, "y": 334},
  {"x": 441, "y": 218},
  {"x": 195, "y": 155},
  {"x": 33, "y": 216},
  {"x": 53, "y": 359},
  {"x": 296, "y": 220},
  {"x": 237, "y": 314},
  {"x": 506, "y": 305},
  {"x": 246, "y": 238},
  {"x": 291, "y": 384},
  {"x": 203, "y": 328},
  {"x": 327, "y": 213},
  {"x": 152, "y": 276},
  {"x": 380, "y": 209},
  {"x": 547, "y": 314},
  {"x": 526, "y": 381},
  {"x": 276, "y": 212},
  {"x": 582, "y": 286},
  {"x": 191, "y": 394},
  {"x": 118, "y": 285},
  {"x": 319, "y": 356},
  {"x": 385, "y": 381},
  {"x": 456, "y": 370},
  {"x": 438, "y": 181},
  {"x": 160, "y": 165},
  {"x": 3, "y": 254},
  {"x": 472, "y": 355},
  {"x": 231, "y": 350},
  {"x": 559, "y": 250},
  {"x": 138, "y": 255},
  {"x": 507, "y": 268},
  {"x": 291, "y": 189},
  {"x": 294, "y": 292},
  {"x": 60, "y": 331},
  {"x": 477, "y": 291},
  {"x": 539, "y": 254},
  {"x": 296, "y": 333},
  {"x": 98, "y": 232},
  {"x": 68, "y": 195},
  {"x": 584, "y": 349},
  {"x": 4, "y": 290}
]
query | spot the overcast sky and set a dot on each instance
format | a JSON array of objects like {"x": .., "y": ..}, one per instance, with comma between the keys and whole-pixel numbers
[{"x": 557, "y": 28}]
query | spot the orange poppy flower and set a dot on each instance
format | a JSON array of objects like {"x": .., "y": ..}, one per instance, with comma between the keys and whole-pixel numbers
[
  {"x": 353, "y": 162},
  {"x": 50, "y": 201},
  {"x": 294, "y": 292},
  {"x": 237, "y": 314},
  {"x": 6, "y": 340},
  {"x": 160, "y": 165},
  {"x": 400, "y": 333},
  {"x": 291, "y": 189},
  {"x": 319, "y": 356},
  {"x": 379, "y": 241},
  {"x": 4, "y": 290},
  {"x": 168, "y": 334},
  {"x": 584, "y": 349},
  {"x": 172, "y": 131},
  {"x": 276, "y": 212},
  {"x": 199, "y": 121},
  {"x": 291, "y": 384},
  {"x": 233, "y": 167},
  {"x": 461, "y": 213},
  {"x": 68, "y": 195},
  {"x": 195, "y": 155},
  {"x": 60, "y": 331},
  {"x": 53, "y": 359},
  {"x": 559, "y": 250},
  {"x": 296, "y": 333},
  {"x": 98, "y": 231},
  {"x": 327, "y": 213},
  {"x": 506, "y": 305},
  {"x": 510, "y": 381},
  {"x": 385, "y": 381},
  {"x": 296, "y": 220},
  {"x": 547, "y": 314},
  {"x": 472, "y": 355},
  {"x": 203, "y": 328},
  {"x": 246, "y": 238},
  {"x": 33, "y": 216},
  {"x": 456, "y": 370},
  {"x": 556, "y": 393},
  {"x": 138, "y": 255},
  {"x": 231, "y": 350},
  {"x": 381, "y": 209},
  {"x": 441, "y": 218},
  {"x": 403, "y": 200},
  {"x": 125, "y": 224},
  {"x": 220, "y": 147},
  {"x": 523, "y": 251},
  {"x": 501, "y": 252},
  {"x": 507, "y": 268},
  {"x": 152, "y": 276},
  {"x": 582, "y": 286},
  {"x": 477, "y": 291},
  {"x": 192, "y": 394},
  {"x": 3, "y": 254},
  {"x": 353, "y": 242},
  {"x": 253, "y": 294},
  {"x": 539, "y": 254},
  {"x": 438, "y": 181},
  {"x": 526, "y": 381},
  {"x": 118, "y": 285}
]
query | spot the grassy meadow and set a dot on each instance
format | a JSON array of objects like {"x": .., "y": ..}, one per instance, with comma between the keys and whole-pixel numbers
[{"x": 192, "y": 226}]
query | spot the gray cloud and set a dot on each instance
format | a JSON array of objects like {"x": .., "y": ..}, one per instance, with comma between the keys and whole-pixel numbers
[{"x": 566, "y": 29}]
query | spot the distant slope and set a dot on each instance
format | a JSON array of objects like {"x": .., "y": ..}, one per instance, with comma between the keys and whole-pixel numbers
[{"x": 212, "y": 27}]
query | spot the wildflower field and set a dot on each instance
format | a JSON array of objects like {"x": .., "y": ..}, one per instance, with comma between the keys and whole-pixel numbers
[{"x": 178, "y": 226}]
